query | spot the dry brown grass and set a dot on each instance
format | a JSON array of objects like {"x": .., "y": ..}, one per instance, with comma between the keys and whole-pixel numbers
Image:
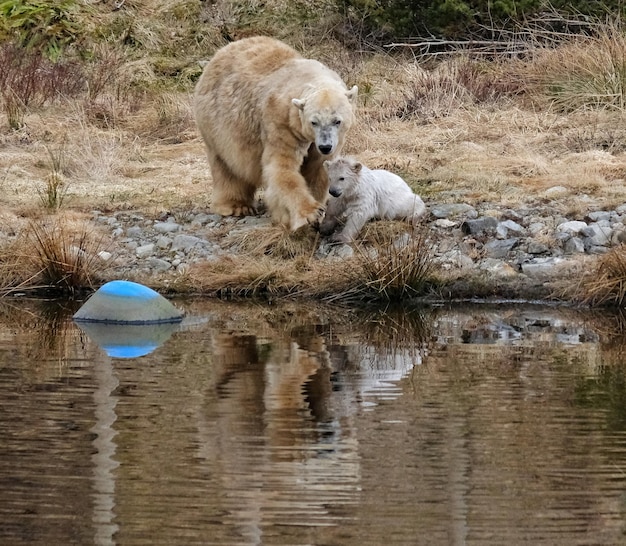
[
  {"x": 54, "y": 253},
  {"x": 605, "y": 284}
]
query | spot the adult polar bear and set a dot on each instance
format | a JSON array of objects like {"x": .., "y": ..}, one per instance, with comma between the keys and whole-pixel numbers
[{"x": 269, "y": 118}]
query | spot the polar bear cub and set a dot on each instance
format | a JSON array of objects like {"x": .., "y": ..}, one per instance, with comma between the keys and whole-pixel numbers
[{"x": 359, "y": 194}]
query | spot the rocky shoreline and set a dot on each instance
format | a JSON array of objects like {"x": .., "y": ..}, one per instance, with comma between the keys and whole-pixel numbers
[{"x": 524, "y": 253}]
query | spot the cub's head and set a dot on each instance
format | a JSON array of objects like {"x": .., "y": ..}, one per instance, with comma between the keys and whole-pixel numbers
[
  {"x": 343, "y": 175},
  {"x": 326, "y": 116}
]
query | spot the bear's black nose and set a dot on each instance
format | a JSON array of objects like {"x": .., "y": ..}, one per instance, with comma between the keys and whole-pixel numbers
[{"x": 325, "y": 148}]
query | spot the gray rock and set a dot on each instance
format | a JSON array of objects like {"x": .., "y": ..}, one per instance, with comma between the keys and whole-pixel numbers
[
  {"x": 599, "y": 215},
  {"x": 166, "y": 227},
  {"x": 185, "y": 242},
  {"x": 509, "y": 228},
  {"x": 158, "y": 265},
  {"x": 541, "y": 267},
  {"x": 556, "y": 191},
  {"x": 499, "y": 248},
  {"x": 444, "y": 223},
  {"x": 573, "y": 227},
  {"x": 536, "y": 227},
  {"x": 597, "y": 235},
  {"x": 452, "y": 210},
  {"x": 145, "y": 250},
  {"x": 597, "y": 249},
  {"x": 480, "y": 226},
  {"x": 456, "y": 259},
  {"x": 163, "y": 242},
  {"x": 574, "y": 245},
  {"x": 497, "y": 268},
  {"x": 536, "y": 247},
  {"x": 134, "y": 231}
]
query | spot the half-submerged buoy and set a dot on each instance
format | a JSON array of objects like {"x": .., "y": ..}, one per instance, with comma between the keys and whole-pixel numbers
[
  {"x": 128, "y": 340},
  {"x": 126, "y": 302}
]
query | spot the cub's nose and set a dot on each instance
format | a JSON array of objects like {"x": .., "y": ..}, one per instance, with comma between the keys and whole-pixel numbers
[
  {"x": 325, "y": 148},
  {"x": 335, "y": 192}
]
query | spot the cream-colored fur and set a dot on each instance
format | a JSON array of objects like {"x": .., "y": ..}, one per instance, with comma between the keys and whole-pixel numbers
[
  {"x": 269, "y": 118},
  {"x": 359, "y": 195}
]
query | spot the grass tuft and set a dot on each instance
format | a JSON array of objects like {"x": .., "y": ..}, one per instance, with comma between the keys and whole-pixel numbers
[
  {"x": 606, "y": 285},
  {"x": 63, "y": 258},
  {"x": 395, "y": 264}
]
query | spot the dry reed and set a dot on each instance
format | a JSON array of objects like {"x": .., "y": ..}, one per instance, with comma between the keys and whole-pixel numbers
[{"x": 605, "y": 285}]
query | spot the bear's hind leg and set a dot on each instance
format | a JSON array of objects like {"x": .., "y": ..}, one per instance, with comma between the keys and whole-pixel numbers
[{"x": 231, "y": 195}]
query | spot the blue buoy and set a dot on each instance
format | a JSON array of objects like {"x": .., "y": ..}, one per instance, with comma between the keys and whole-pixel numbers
[{"x": 126, "y": 302}]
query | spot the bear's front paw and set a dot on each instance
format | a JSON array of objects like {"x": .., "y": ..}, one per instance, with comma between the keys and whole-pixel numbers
[
  {"x": 233, "y": 209},
  {"x": 316, "y": 216}
]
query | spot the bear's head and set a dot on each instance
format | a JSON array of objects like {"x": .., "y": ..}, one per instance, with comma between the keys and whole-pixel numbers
[
  {"x": 343, "y": 175},
  {"x": 326, "y": 116}
]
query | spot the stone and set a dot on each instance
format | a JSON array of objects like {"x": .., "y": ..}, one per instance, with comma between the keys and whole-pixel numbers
[
  {"x": 498, "y": 268},
  {"x": 185, "y": 242},
  {"x": 456, "y": 259},
  {"x": 480, "y": 226},
  {"x": 572, "y": 227},
  {"x": 134, "y": 231},
  {"x": 597, "y": 235},
  {"x": 145, "y": 250},
  {"x": 541, "y": 267},
  {"x": 158, "y": 265},
  {"x": 509, "y": 227},
  {"x": 499, "y": 248},
  {"x": 452, "y": 210},
  {"x": 536, "y": 247},
  {"x": 166, "y": 227},
  {"x": 556, "y": 191},
  {"x": 444, "y": 223},
  {"x": 574, "y": 245},
  {"x": 163, "y": 242},
  {"x": 599, "y": 215}
]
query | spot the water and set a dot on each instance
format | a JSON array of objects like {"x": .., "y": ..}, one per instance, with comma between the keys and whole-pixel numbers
[{"x": 255, "y": 424}]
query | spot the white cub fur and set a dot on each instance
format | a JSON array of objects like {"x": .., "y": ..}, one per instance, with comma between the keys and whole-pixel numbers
[{"x": 359, "y": 195}]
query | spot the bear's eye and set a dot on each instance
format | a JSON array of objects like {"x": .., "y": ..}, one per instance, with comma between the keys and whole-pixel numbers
[
  {"x": 315, "y": 123},
  {"x": 337, "y": 122},
  {"x": 341, "y": 179}
]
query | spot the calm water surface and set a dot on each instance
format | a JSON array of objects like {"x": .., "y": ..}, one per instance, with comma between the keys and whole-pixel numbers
[{"x": 255, "y": 424}]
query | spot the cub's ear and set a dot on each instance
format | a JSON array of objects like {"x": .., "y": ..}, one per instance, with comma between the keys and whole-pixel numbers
[
  {"x": 353, "y": 93},
  {"x": 298, "y": 103},
  {"x": 356, "y": 167}
]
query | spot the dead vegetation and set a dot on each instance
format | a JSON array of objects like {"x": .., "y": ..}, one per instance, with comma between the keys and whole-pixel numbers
[{"x": 108, "y": 126}]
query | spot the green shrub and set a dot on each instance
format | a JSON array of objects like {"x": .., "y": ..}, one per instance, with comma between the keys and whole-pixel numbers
[{"x": 48, "y": 25}]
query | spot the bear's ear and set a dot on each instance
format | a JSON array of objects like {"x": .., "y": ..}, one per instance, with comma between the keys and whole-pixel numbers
[
  {"x": 352, "y": 94},
  {"x": 356, "y": 167},
  {"x": 298, "y": 103}
]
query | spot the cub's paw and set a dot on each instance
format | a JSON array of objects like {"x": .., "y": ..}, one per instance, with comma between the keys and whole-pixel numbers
[{"x": 339, "y": 238}]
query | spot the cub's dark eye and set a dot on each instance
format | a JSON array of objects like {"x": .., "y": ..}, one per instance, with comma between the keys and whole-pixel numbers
[
  {"x": 315, "y": 123},
  {"x": 337, "y": 122},
  {"x": 341, "y": 179}
]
